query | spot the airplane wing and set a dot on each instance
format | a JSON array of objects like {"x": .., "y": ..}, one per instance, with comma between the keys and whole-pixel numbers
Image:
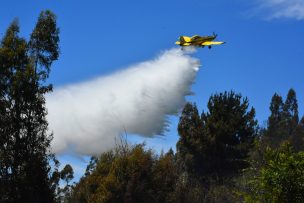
[
  {"x": 183, "y": 44},
  {"x": 208, "y": 43}
]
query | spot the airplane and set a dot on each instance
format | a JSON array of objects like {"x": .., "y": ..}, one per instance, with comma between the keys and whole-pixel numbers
[{"x": 198, "y": 41}]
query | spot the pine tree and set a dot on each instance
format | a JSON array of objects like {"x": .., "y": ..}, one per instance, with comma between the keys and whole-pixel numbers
[
  {"x": 24, "y": 140},
  {"x": 231, "y": 128},
  {"x": 190, "y": 143},
  {"x": 217, "y": 143}
]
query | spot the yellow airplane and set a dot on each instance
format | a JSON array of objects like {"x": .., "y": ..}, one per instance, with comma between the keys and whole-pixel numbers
[{"x": 198, "y": 41}]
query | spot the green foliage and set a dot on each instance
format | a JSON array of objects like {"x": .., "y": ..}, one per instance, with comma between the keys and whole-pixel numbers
[
  {"x": 283, "y": 123},
  {"x": 221, "y": 193},
  {"x": 191, "y": 142},
  {"x": 276, "y": 108},
  {"x": 213, "y": 148},
  {"x": 290, "y": 112},
  {"x": 164, "y": 177},
  {"x": 43, "y": 45},
  {"x": 67, "y": 173},
  {"x": 220, "y": 158},
  {"x": 91, "y": 166},
  {"x": 283, "y": 127},
  {"x": 189, "y": 189},
  {"x": 218, "y": 142},
  {"x": 24, "y": 142},
  {"x": 297, "y": 138},
  {"x": 128, "y": 174},
  {"x": 281, "y": 179},
  {"x": 64, "y": 194},
  {"x": 231, "y": 128}
]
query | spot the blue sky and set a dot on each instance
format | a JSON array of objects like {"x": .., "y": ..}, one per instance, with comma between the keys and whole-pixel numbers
[{"x": 264, "y": 51}]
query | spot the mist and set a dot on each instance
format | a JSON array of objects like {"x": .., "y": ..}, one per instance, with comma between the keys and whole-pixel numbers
[{"x": 87, "y": 118}]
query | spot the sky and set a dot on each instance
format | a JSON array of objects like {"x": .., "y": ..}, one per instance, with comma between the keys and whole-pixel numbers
[{"x": 263, "y": 53}]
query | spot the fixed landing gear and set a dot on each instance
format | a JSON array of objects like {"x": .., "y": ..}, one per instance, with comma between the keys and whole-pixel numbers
[{"x": 209, "y": 47}]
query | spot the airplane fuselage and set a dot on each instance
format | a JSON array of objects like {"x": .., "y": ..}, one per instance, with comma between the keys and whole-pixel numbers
[
  {"x": 199, "y": 41},
  {"x": 195, "y": 40}
]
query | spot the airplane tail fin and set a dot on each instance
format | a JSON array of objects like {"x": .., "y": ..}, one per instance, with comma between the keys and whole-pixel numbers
[{"x": 184, "y": 39}]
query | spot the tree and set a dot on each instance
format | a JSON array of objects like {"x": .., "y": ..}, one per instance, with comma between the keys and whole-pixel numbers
[
  {"x": 24, "y": 140},
  {"x": 43, "y": 46},
  {"x": 164, "y": 177},
  {"x": 66, "y": 174},
  {"x": 231, "y": 128},
  {"x": 121, "y": 175},
  {"x": 276, "y": 116},
  {"x": 290, "y": 112},
  {"x": 281, "y": 179},
  {"x": 283, "y": 122},
  {"x": 213, "y": 148},
  {"x": 297, "y": 139},
  {"x": 191, "y": 141},
  {"x": 128, "y": 174},
  {"x": 91, "y": 166},
  {"x": 217, "y": 143}
]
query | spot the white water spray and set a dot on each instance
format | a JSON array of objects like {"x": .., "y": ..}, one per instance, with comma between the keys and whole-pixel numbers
[{"x": 87, "y": 117}]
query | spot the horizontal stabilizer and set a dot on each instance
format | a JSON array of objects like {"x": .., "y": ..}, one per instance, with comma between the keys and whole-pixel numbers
[{"x": 178, "y": 42}]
